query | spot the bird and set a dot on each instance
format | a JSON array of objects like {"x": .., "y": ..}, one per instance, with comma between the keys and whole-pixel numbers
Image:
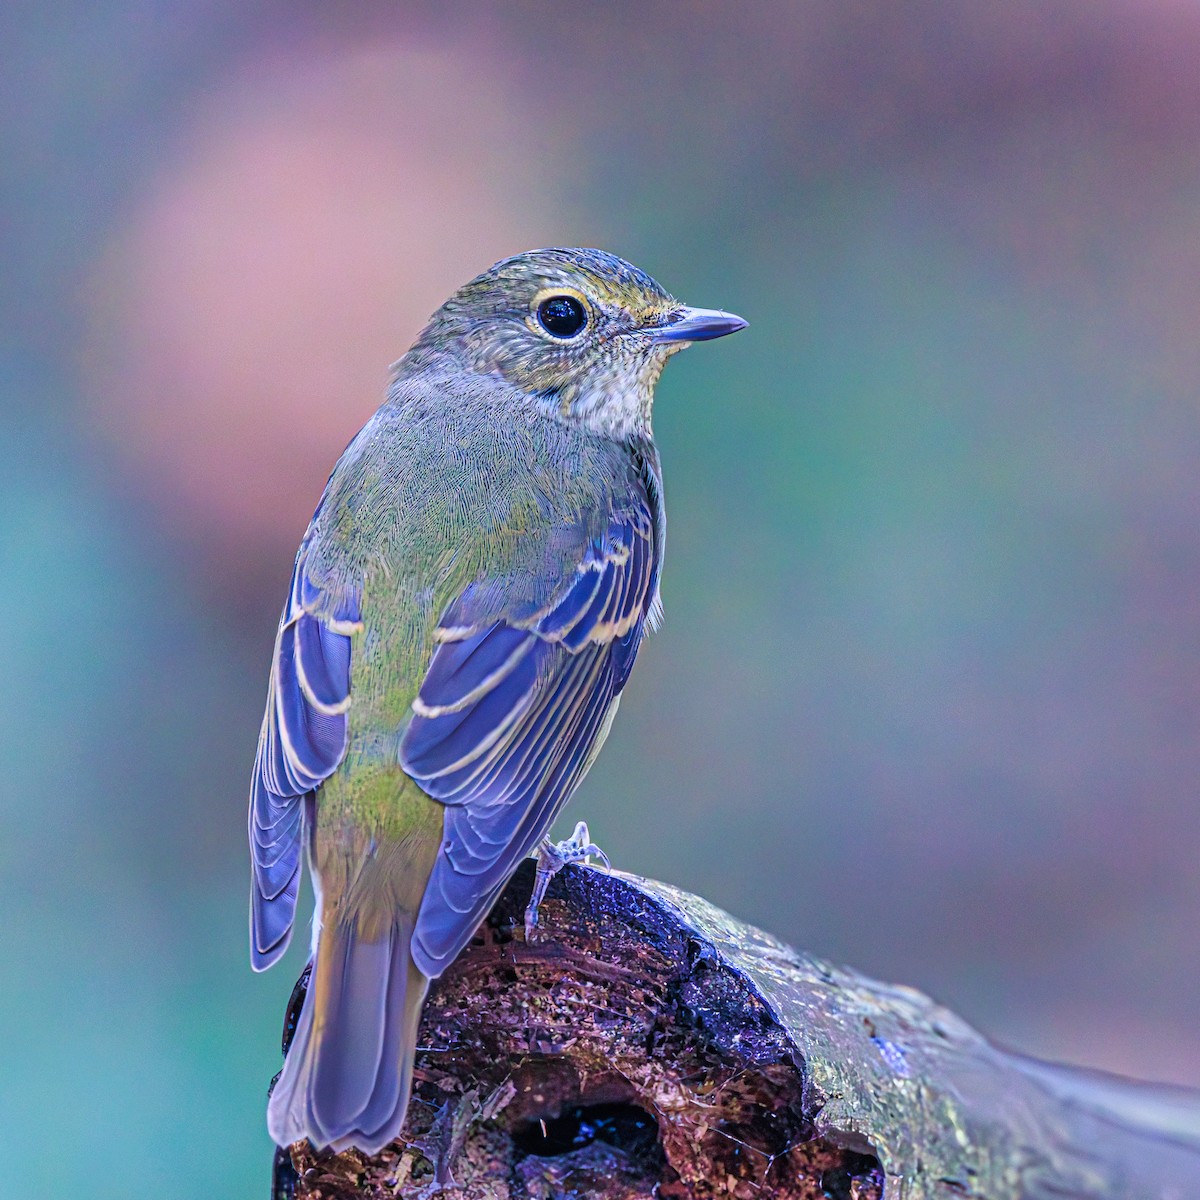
[{"x": 463, "y": 615}]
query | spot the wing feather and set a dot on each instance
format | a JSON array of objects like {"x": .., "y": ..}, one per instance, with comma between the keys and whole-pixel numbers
[
  {"x": 509, "y": 717},
  {"x": 303, "y": 740}
]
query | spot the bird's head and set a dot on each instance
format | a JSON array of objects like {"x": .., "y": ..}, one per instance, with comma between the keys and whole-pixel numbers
[{"x": 583, "y": 333}]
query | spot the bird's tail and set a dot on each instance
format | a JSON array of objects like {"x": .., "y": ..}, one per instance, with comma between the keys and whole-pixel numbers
[{"x": 348, "y": 1073}]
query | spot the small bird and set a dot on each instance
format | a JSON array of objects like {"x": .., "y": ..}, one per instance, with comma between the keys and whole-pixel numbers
[{"x": 464, "y": 612}]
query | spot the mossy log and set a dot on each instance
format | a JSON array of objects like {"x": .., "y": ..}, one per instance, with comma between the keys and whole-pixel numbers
[{"x": 649, "y": 1045}]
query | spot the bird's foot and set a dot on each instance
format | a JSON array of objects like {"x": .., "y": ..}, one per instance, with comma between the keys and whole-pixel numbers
[{"x": 551, "y": 858}]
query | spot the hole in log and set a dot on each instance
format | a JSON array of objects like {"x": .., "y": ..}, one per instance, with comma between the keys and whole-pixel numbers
[
  {"x": 842, "y": 1182},
  {"x": 622, "y": 1126}
]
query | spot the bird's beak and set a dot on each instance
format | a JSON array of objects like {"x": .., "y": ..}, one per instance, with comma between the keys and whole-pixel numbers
[{"x": 696, "y": 325}]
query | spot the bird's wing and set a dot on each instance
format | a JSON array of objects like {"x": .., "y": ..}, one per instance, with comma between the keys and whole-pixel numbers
[
  {"x": 511, "y": 713},
  {"x": 303, "y": 740}
]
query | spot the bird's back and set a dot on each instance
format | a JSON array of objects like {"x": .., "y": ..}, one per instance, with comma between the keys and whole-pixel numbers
[{"x": 454, "y": 483}]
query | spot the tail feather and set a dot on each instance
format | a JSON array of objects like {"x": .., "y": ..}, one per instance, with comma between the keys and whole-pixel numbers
[
  {"x": 348, "y": 1073},
  {"x": 383, "y": 1115},
  {"x": 355, "y": 1016}
]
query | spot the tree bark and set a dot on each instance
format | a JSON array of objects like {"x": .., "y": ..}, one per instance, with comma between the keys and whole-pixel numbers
[{"x": 648, "y": 1044}]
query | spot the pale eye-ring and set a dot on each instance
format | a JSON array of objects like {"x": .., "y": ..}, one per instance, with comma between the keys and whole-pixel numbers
[{"x": 562, "y": 316}]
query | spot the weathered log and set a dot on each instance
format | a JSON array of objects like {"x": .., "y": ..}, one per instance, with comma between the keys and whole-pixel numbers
[{"x": 648, "y": 1044}]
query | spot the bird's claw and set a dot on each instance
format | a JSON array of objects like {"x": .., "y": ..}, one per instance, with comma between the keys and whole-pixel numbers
[{"x": 551, "y": 858}]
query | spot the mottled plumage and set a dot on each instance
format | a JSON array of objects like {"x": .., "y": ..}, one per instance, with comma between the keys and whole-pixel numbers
[{"x": 465, "y": 610}]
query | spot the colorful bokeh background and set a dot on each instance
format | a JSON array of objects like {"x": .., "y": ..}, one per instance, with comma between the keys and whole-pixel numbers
[{"x": 927, "y": 699}]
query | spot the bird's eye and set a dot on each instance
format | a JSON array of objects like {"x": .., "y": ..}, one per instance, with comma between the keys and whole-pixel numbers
[{"x": 561, "y": 316}]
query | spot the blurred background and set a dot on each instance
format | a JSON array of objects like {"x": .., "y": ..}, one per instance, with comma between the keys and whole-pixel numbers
[{"x": 927, "y": 696}]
